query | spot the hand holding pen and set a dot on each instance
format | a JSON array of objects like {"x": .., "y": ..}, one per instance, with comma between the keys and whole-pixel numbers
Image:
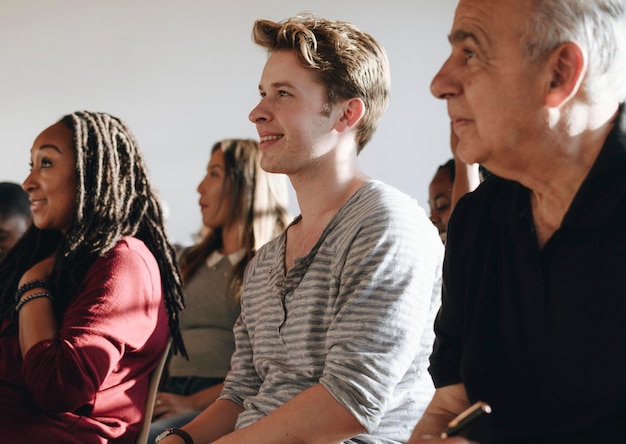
[{"x": 459, "y": 425}]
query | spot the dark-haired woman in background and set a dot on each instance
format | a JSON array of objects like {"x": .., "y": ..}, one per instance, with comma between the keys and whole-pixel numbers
[{"x": 87, "y": 294}]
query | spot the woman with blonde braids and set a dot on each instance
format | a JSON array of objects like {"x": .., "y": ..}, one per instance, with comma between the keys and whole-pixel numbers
[
  {"x": 88, "y": 293},
  {"x": 243, "y": 207}
]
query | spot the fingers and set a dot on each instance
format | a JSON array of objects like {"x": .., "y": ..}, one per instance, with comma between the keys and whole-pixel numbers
[
  {"x": 168, "y": 404},
  {"x": 160, "y": 407}
]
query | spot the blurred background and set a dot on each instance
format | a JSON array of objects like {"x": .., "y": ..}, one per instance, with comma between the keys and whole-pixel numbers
[{"x": 184, "y": 74}]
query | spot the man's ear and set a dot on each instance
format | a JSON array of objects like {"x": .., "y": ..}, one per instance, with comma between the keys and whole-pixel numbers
[
  {"x": 568, "y": 65},
  {"x": 353, "y": 110}
]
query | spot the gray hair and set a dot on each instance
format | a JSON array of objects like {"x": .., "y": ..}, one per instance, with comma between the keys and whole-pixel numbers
[{"x": 598, "y": 26}]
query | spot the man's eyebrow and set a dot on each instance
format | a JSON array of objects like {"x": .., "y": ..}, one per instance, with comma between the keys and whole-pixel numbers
[
  {"x": 460, "y": 36},
  {"x": 279, "y": 85}
]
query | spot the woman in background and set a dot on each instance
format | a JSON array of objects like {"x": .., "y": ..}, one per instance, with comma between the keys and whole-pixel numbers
[
  {"x": 243, "y": 207},
  {"x": 87, "y": 294},
  {"x": 451, "y": 181},
  {"x": 440, "y": 197}
]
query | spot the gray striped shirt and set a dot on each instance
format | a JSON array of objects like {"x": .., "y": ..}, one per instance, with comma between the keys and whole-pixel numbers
[{"x": 355, "y": 315}]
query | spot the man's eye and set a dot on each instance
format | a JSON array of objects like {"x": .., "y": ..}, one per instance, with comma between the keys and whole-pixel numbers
[{"x": 469, "y": 54}]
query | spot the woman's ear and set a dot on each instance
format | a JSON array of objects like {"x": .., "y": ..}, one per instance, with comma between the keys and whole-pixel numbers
[
  {"x": 353, "y": 110},
  {"x": 568, "y": 65}
]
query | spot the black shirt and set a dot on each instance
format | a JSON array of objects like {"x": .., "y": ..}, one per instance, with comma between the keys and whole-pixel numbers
[{"x": 540, "y": 334}]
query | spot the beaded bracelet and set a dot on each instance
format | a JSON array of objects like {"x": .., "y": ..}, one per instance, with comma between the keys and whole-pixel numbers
[
  {"x": 37, "y": 283},
  {"x": 43, "y": 294}
]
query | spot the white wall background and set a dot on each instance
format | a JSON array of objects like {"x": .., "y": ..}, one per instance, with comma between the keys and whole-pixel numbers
[{"x": 184, "y": 74}]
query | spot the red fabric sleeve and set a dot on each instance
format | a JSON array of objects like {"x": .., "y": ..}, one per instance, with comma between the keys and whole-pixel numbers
[{"x": 97, "y": 357}]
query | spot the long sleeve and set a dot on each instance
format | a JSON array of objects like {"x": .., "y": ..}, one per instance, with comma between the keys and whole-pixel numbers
[
  {"x": 355, "y": 315},
  {"x": 92, "y": 379}
]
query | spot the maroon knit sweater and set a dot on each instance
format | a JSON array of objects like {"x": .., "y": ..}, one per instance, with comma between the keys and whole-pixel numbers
[{"x": 89, "y": 385}]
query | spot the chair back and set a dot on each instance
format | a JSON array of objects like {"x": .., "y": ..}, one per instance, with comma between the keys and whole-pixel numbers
[{"x": 153, "y": 389}]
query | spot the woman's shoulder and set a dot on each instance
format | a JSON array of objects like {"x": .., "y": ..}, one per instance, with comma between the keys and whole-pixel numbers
[{"x": 128, "y": 252}]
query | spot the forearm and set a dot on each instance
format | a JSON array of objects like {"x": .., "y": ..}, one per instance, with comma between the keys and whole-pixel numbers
[
  {"x": 314, "y": 416},
  {"x": 447, "y": 403},
  {"x": 170, "y": 404},
  {"x": 37, "y": 323},
  {"x": 431, "y": 424},
  {"x": 204, "y": 398},
  {"x": 216, "y": 421},
  {"x": 36, "y": 315}
]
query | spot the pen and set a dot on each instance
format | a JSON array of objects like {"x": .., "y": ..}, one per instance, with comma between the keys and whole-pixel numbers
[{"x": 461, "y": 422}]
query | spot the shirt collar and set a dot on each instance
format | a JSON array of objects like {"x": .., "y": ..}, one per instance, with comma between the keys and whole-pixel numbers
[{"x": 215, "y": 257}]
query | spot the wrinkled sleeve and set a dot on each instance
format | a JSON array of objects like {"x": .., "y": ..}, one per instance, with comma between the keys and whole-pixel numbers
[
  {"x": 389, "y": 290},
  {"x": 114, "y": 312}
]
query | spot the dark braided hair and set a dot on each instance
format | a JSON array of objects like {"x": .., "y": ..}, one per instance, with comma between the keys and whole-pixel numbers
[{"x": 113, "y": 199}]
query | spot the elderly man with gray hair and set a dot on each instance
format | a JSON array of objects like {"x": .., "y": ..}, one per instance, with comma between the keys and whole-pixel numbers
[{"x": 533, "y": 316}]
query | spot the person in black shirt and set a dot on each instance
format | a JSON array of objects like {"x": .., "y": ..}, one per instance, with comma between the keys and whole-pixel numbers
[{"x": 533, "y": 316}]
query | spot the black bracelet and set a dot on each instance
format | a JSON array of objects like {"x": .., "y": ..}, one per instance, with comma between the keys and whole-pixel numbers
[
  {"x": 43, "y": 294},
  {"x": 175, "y": 431},
  {"x": 37, "y": 283}
]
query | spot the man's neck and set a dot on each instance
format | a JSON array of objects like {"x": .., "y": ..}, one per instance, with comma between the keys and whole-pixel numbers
[
  {"x": 556, "y": 181},
  {"x": 320, "y": 198}
]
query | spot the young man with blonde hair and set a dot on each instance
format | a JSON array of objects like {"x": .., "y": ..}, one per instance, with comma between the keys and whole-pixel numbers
[{"x": 337, "y": 312}]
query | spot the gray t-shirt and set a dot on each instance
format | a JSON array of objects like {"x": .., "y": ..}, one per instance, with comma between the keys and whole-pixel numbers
[{"x": 355, "y": 315}]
